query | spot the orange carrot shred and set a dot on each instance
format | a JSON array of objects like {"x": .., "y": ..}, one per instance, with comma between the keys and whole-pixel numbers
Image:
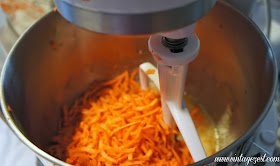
[
  {"x": 9, "y": 108},
  {"x": 150, "y": 71},
  {"x": 158, "y": 57},
  {"x": 53, "y": 44},
  {"x": 123, "y": 126}
]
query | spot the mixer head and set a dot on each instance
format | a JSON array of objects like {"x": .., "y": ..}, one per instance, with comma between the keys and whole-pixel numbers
[{"x": 133, "y": 17}]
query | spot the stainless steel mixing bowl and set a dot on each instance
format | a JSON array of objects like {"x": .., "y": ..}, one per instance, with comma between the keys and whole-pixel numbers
[{"x": 54, "y": 61}]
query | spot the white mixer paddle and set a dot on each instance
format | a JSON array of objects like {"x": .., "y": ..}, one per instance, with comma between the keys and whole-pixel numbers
[
  {"x": 181, "y": 115},
  {"x": 173, "y": 56},
  {"x": 144, "y": 80}
]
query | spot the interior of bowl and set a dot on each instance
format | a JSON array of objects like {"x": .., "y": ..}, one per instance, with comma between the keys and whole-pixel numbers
[{"x": 54, "y": 62}]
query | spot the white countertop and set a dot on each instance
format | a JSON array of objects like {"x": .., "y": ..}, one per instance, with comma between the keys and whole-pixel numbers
[{"x": 12, "y": 151}]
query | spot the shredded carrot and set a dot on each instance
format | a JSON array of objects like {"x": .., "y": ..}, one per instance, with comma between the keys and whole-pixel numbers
[
  {"x": 31, "y": 8},
  {"x": 158, "y": 57},
  {"x": 118, "y": 124},
  {"x": 9, "y": 108},
  {"x": 150, "y": 71},
  {"x": 195, "y": 111},
  {"x": 53, "y": 44}
]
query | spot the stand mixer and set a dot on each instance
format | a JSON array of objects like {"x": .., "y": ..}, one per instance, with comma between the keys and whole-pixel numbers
[
  {"x": 173, "y": 45},
  {"x": 169, "y": 49}
]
